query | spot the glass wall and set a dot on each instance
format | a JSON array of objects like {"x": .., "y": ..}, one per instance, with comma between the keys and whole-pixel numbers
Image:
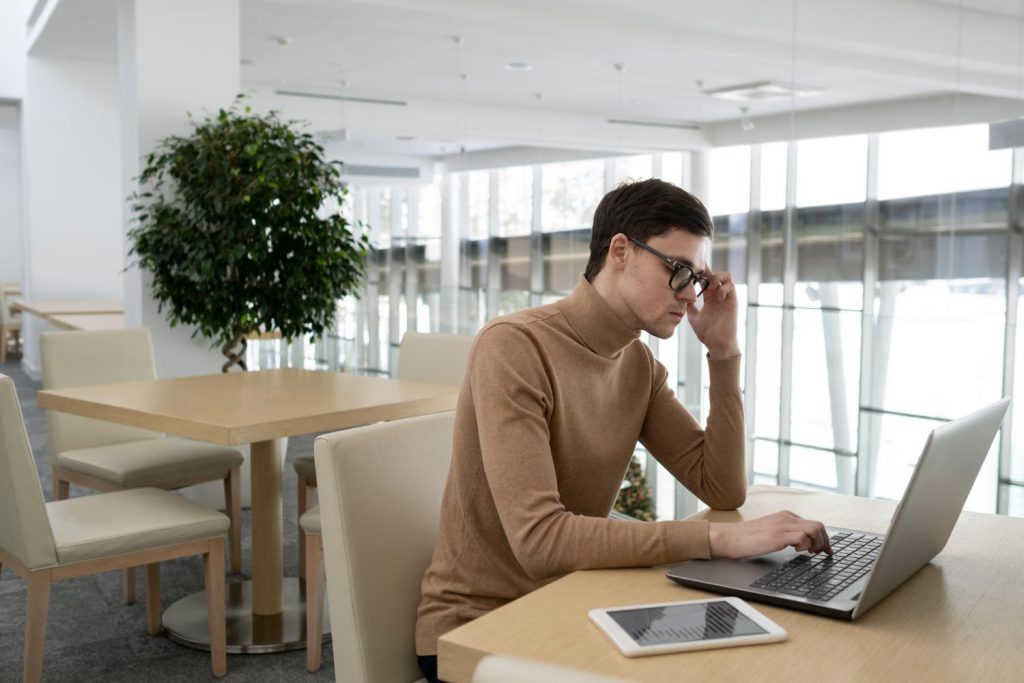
[{"x": 879, "y": 279}]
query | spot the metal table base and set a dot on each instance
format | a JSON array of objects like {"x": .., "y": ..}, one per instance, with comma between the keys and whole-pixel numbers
[{"x": 247, "y": 633}]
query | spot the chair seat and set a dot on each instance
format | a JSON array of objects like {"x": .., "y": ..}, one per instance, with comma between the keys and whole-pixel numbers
[
  {"x": 151, "y": 462},
  {"x": 91, "y": 527},
  {"x": 305, "y": 466},
  {"x": 310, "y": 520}
]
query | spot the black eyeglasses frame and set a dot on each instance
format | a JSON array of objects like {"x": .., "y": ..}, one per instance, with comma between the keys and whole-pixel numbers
[{"x": 689, "y": 276}]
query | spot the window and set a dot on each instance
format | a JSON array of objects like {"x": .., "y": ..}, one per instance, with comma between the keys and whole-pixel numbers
[
  {"x": 939, "y": 160},
  {"x": 831, "y": 171},
  {"x": 571, "y": 192},
  {"x": 729, "y": 190}
]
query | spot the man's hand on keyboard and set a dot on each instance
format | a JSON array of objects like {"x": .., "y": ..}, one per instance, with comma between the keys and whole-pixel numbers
[{"x": 768, "y": 534}]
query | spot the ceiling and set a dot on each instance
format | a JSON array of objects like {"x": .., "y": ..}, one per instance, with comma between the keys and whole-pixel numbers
[{"x": 447, "y": 60}]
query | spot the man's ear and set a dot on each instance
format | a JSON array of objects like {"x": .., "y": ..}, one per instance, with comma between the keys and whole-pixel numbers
[{"x": 617, "y": 251}]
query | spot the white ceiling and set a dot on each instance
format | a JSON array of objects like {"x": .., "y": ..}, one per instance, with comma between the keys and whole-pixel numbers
[{"x": 869, "y": 53}]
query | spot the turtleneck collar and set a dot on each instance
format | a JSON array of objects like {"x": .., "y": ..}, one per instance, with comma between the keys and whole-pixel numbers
[{"x": 594, "y": 321}]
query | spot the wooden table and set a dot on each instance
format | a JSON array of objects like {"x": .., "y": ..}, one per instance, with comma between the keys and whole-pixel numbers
[
  {"x": 44, "y": 308},
  {"x": 257, "y": 408},
  {"x": 88, "y": 321},
  {"x": 960, "y": 618}
]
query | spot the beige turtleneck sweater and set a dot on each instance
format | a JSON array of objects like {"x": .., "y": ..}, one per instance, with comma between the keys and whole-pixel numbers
[{"x": 553, "y": 404}]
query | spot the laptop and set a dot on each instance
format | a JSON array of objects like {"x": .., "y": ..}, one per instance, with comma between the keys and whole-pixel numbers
[{"x": 866, "y": 567}]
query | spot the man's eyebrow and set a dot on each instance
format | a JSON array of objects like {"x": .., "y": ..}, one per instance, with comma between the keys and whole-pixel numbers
[{"x": 685, "y": 261}]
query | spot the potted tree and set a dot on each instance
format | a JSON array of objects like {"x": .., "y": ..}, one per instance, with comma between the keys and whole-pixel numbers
[{"x": 240, "y": 225}]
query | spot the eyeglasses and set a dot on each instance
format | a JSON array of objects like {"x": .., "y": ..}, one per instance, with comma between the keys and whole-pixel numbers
[{"x": 682, "y": 274}]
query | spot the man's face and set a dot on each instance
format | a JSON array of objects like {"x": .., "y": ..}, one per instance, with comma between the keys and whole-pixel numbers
[{"x": 655, "y": 307}]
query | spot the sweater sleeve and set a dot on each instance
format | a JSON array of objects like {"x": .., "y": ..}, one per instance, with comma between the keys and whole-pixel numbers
[
  {"x": 513, "y": 400},
  {"x": 711, "y": 461}
]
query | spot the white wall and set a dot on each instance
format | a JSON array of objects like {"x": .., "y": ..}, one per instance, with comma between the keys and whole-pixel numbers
[
  {"x": 71, "y": 175},
  {"x": 12, "y": 48},
  {"x": 10, "y": 205}
]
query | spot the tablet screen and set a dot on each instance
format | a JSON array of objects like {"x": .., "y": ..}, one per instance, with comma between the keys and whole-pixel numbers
[{"x": 684, "y": 623}]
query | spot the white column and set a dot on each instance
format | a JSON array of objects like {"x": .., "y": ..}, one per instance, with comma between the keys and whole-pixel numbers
[
  {"x": 71, "y": 186},
  {"x": 174, "y": 58}
]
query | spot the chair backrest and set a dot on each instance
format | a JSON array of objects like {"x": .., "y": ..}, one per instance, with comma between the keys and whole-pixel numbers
[
  {"x": 380, "y": 491},
  {"x": 74, "y": 359},
  {"x": 5, "y": 308},
  {"x": 505, "y": 669},
  {"x": 24, "y": 526},
  {"x": 437, "y": 358}
]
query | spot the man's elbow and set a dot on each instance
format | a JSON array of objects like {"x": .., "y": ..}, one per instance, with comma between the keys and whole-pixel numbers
[{"x": 728, "y": 500}]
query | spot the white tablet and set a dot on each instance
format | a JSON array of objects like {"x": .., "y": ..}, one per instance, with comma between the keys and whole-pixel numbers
[{"x": 690, "y": 625}]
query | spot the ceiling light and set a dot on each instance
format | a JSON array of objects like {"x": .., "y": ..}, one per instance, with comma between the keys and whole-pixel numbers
[
  {"x": 519, "y": 66},
  {"x": 282, "y": 40},
  {"x": 762, "y": 91}
]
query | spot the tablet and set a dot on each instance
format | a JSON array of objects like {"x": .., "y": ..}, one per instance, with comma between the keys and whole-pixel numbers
[{"x": 690, "y": 625}]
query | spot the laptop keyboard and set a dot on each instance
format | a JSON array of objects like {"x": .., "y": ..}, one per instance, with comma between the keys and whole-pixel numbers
[{"x": 820, "y": 577}]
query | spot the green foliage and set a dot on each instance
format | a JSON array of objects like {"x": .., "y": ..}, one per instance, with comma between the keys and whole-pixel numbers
[
  {"x": 240, "y": 225},
  {"x": 635, "y": 498}
]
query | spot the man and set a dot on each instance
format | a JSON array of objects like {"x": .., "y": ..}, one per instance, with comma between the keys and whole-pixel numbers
[{"x": 555, "y": 399}]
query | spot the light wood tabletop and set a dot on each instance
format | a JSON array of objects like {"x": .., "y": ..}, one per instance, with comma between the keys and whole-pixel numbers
[
  {"x": 257, "y": 408},
  {"x": 88, "y": 321},
  {"x": 48, "y": 307},
  {"x": 960, "y": 618}
]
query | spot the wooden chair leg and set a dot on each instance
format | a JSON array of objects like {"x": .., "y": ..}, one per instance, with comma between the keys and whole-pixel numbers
[
  {"x": 314, "y": 600},
  {"x": 35, "y": 624},
  {"x": 153, "y": 598},
  {"x": 213, "y": 575},
  {"x": 302, "y": 488},
  {"x": 233, "y": 508},
  {"x": 61, "y": 488},
  {"x": 128, "y": 585}
]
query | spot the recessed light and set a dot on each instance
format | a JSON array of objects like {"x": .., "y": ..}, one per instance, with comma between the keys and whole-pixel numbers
[{"x": 519, "y": 66}]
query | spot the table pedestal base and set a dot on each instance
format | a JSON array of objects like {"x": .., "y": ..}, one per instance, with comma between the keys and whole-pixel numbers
[{"x": 247, "y": 633}]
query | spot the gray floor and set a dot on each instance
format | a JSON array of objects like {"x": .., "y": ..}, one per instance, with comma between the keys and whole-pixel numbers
[{"x": 93, "y": 636}]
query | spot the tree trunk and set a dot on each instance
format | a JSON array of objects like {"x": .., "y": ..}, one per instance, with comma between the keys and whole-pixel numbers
[{"x": 234, "y": 354}]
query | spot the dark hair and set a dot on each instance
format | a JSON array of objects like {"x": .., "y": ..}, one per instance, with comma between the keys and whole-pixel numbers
[{"x": 643, "y": 209}]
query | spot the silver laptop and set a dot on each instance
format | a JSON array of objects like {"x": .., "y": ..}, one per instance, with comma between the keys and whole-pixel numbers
[{"x": 867, "y": 567}]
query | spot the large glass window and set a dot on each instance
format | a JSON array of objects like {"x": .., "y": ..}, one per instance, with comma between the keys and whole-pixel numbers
[
  {"x": 729, "y": 187},
  {"x": 929, "y": 262},
  {"x": 515, "y": 204},
  {"x": 832, "y": 170},
  {"x": 932, "y": 161},
  {"x": 571, "y": 192}
]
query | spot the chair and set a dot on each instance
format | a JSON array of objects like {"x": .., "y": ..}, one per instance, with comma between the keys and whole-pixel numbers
[
  {"x": 505, "y": 669},
  {"x": 104, "y": 456},
  {"x": 435, "y": 358},
  {"x": 10, "y": 326},
  {"x": 47, "y": 542},
  {"x": 380, "y": 503}
]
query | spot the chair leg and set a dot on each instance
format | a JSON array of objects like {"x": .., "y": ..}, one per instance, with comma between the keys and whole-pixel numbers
[
  {"x": 233, "y": 508},
  {"x": 61, "y": 488},
  {"x": 128, "y": 585},
  {"x": 302, "y": 488},
  {"x": 213, "y": 575},
  {"x": 314, "y": 599},
  {"x": 153, "y": 598},
  {"x": 35, "y": 624}
]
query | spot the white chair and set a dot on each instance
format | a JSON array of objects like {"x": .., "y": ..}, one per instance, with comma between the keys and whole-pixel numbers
[
  {"x": 104, "y": 456},
  {"x": 505, "y": 669},
  {"x": 47, "y": 542},
  {"x": 10, "y": 326},
  {"x": 380, "y": 503},
  {"x": 434, "y": 358}
]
